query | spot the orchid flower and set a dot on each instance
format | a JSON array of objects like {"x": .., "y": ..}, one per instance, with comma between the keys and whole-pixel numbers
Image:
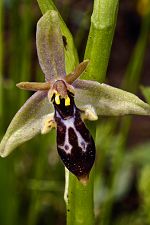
[{"x": 64, "y": 102}]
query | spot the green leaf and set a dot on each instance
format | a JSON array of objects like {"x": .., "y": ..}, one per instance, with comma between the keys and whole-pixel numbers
[
  {"x": 107, "y": 100},
  {"x": 27, "y": 122},
  {"x": 50, "y": 47}
]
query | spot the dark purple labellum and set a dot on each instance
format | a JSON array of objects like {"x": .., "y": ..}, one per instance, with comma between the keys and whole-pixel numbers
[{"x": 75, "y": 145}]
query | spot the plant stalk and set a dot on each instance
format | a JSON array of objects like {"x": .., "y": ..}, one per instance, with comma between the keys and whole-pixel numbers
[
  {"x": 130, "y": 83},
  {"x": 1, "y": 58},
  {"x": 25, "y": 36},
  {"x": 103, "y": 23}
]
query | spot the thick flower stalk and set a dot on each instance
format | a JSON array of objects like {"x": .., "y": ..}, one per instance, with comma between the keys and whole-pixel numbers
[{"x": 64, "y": 102}]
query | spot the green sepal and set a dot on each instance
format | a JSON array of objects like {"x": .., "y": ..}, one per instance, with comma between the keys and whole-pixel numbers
[
  {"x": 108, "y": 100},
  {"x": 26, "y": 123},
  {"x": 50, "y": 47},
  {"x": 71, "y": 56}
]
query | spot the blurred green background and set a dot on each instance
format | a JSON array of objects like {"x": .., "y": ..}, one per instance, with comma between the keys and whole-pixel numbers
[{"x": 32, "y": 178}]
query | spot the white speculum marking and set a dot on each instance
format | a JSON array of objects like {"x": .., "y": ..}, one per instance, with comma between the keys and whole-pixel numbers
[{"x": 69, "y": 123}]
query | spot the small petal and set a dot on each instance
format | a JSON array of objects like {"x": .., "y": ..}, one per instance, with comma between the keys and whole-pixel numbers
[
  {"x": 27, "y": 122},
  {"x": 107, "y": 100},
  {"x": 34, "y": 86},
  {"x": 50, "y": 47},
  {"x": 80, "y": 68}
]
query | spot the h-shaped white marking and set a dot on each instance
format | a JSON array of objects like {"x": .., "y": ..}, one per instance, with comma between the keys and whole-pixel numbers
[{"x": 81, "y": 142}]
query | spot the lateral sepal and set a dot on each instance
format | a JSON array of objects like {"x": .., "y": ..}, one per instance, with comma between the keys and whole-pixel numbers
[{"x": 27, "y": 122}]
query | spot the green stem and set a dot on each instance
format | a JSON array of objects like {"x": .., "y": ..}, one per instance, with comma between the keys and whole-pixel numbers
[
  {"x": 79, "y": 201},
  {"x": 79, "y": 198},
  {"x": 103, "y": 22},
  {"x": 130, "y": 83}
]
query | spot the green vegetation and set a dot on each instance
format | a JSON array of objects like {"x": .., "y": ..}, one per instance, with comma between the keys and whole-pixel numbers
[{"x": 32, "y": 179}]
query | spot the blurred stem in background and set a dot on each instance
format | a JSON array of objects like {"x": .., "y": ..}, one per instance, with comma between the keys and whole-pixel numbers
[
  {"x": 16, "y": 60},
  {"x": 1, "y": 67},
  {"x": 25, "y": 41},
  {"x": 81, "y": 32},
  {"x": 9, "y": 200},
  {"x": 20, "y": 48},
  {"x": 38, "y": 174},
  {"x": 15, "y": 51},
  {"x": 130, "y": 83}
]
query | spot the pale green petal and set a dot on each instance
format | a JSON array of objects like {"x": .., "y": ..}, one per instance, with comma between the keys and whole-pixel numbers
[
  {"x": 27, "y": 122},
  {"x": 50, "y": 47},
  {"x": 107, "y": 100}
]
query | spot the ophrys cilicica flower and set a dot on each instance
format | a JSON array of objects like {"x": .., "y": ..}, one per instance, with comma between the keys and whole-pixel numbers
[{"x": 64, "y": 102}]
